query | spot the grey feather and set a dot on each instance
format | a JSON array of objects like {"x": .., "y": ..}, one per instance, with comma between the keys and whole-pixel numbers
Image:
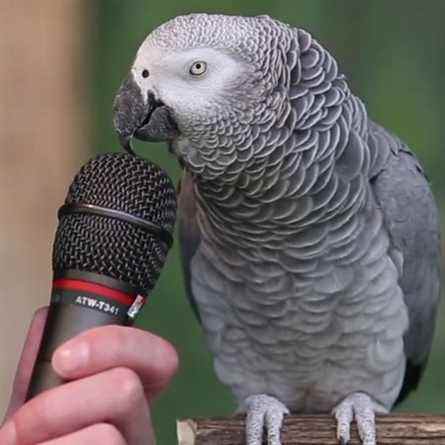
[
  {"x": 309, "y": 234},
  {"x": 189, "y": 235},
  {"x": 411, "y": 217}
]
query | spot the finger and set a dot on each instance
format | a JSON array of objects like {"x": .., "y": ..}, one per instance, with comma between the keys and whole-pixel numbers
[
  {"x": 152, "y": 358},
  {"x": 101, "y": 433},
  {"x": 115, "y": 396},
  {"x": 27, "y": 359}
]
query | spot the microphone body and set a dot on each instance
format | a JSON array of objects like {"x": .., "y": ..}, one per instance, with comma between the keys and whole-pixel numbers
[
  {"x": 79, "y": 302},
  {"x": 111, "y": 243}
]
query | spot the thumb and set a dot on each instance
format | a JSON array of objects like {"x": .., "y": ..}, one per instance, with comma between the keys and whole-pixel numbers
[{"x": 26, "y": 362}]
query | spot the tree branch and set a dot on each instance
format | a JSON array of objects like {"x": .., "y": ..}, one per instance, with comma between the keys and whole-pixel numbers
[{"x": 393, "y": 429}]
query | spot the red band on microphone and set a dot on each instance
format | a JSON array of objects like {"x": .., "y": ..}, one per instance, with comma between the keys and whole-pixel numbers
[{"x": 85, "y": 286}]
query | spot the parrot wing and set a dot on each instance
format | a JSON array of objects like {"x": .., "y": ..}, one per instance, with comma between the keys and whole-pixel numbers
[
  {"x": 411, "y": 218},
  {"x": 189, "y": 234}
]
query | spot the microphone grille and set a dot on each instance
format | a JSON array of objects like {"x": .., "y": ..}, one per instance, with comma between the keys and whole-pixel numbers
[{"x": 114, "y": 247}]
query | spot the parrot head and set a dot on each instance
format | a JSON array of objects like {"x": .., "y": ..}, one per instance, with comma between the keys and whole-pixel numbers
[{"x": 210, "y": 85}]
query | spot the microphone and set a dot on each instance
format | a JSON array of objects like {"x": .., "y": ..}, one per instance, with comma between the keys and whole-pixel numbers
[{"x": 115, "y": 230}]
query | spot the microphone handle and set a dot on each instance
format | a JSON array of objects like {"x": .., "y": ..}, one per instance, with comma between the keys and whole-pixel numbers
[{"x": 76, "y": 306}]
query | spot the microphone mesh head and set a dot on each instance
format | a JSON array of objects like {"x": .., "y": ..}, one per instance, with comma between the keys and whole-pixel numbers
[{"x": 112, "y": 247}]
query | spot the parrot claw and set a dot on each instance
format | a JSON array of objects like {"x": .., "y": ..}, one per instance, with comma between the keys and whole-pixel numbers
[
  {"x": 362, "y": 408},
  {"x": 264, "y": 411}
]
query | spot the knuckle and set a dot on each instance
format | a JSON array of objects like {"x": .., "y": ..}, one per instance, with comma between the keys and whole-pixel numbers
[
  {"x": 113, "y": 336},
  {"x": 36, "y": 412},
  {"x": 129, "y": 387},
  {"x": 109, "y": 434},
  {"x": 171, "y": 360},
  {"x": 164, "y": 359},
  {"x": 117, "y": 334},
  {"x": 105, "y": 345},
  {"x": 105, "y": 333},
  {"x": 174, "y": 364}
]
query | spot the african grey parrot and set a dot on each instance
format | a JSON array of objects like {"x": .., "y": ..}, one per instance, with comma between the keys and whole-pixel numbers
[{"x": 310, "y": 237}]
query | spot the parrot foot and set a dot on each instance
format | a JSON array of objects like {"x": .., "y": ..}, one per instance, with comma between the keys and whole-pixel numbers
[
  {"x": 362, "y": 408},
  {"x": 264, "y": 411}
]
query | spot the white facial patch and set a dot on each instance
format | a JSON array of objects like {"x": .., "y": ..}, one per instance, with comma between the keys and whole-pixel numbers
[{"x": 172, "y": 80}]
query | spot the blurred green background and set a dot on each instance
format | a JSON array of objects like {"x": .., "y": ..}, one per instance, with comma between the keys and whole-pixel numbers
[{"x": 393, "y": 55}]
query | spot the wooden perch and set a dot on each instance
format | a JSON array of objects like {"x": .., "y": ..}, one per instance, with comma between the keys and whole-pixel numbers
[{"x": 393, "y": 429}]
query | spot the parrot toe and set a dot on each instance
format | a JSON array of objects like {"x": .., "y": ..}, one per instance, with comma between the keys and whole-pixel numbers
[
  {"x": 266, "y": 412},
  {"x": 362, "y": 408}
]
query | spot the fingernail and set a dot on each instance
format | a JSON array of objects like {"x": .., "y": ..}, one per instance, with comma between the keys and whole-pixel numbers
[
  {"x": 8, "y": 435},
  {"x": 71, "y": 357}
]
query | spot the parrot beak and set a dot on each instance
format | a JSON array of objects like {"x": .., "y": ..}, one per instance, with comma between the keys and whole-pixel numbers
[{"x": 147, "y": 120}]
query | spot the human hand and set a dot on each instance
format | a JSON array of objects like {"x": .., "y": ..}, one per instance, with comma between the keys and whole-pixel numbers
[{"x": 114, "y": 372}]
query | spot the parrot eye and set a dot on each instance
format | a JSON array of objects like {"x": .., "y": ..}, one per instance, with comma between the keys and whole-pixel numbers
[
  {"x": 145, "y": 73},
  {"x": 198, "y": 68}
]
